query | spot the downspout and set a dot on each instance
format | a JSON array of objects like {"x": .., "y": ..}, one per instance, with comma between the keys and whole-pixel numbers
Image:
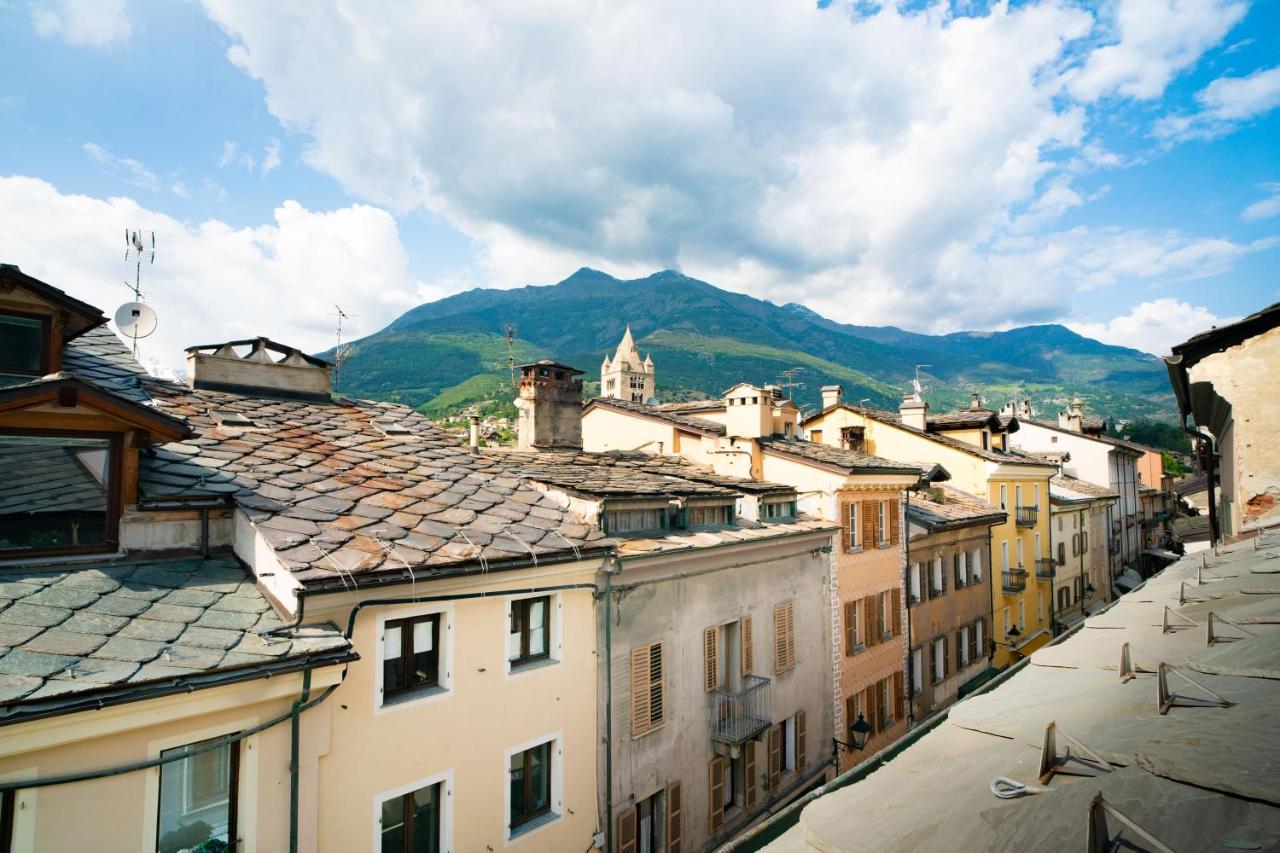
[
  {"x": 608, "y": 703},
  {"x": 906, "y": 586},
  {"x": 295, "y": 726},
  {"x": 1053, "y": 625}
]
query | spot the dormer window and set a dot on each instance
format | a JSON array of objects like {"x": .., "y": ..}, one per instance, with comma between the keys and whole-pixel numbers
[
  {"x": 57, "y": 492},
  {"x": 632, "y": 518},
  {"x": 708, "y": 513},
  {"x": 22, "y": 347},
  {"x": 779, "y": 508}
]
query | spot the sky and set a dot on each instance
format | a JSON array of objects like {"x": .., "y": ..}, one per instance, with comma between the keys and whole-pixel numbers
[{"x": 1112, "y": 166}]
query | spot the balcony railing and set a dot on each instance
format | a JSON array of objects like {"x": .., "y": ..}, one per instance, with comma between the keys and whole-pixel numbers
[
  {"x": 738, "y": 716},
  {"x": 1014, "y": 580},
  {"x": 1045, "y": 568},
  {"x": 1113, "y": 546},
  {"x": 1027, "y": 515}
]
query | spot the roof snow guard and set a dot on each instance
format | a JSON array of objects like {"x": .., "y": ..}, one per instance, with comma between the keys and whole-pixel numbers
[{"x": 293, "y": 374}]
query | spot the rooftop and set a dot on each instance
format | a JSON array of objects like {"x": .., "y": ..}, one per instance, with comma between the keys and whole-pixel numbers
[
  {"x": 621, "y": 474},
  {"x": 849, "y": 461},
  {"x": 1197, "y": 776},
  {"x": 957, "y": 509},
  {"x": 1069, "y": 489},
  {"x": 85, "y": 634},
  {"x": 99, "y": 357},
  {"x": 661, "y": 413}
]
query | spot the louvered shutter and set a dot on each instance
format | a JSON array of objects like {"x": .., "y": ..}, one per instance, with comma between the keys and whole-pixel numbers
[
  {"x": 850, "y": 713},
  {"x": 946, "y": 656},
  {"x": 784, "y": 643},
  {"x": 626, "y": 842},
  {"x": 893, "y": 522},
  {"x": 846, "y": 524},
  {"x": 899, "y": 696},
  {"x": 748, "y": 647},
  {"x": 657, "y": 686},
  {"x": 881, "y": 701},
  {"x": 867, "y": 510},
  {"x": 959, "y": 649},
  {"x": 943, "y": 576},
  {"x": 850, "y": 627},
  {"x": 675, "y": 818},
  {"x": 895, "y": 601},
  {"x": 711, "y": 659},
  {"x": 775, "y": 756},
  {"x": 715, "y": 793},
  {"x": 749, "y": 772},
  {"x": 640, "y": 696},
  {"x": 872, "y": 714},
  {"x": 800, "y": 740}
]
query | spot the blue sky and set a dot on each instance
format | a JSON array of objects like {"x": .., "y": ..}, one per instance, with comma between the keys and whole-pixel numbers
[{"x": 1113, "y": 167}]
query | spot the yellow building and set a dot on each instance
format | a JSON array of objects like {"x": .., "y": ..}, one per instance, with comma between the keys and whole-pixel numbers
[{"x": 970, "y": 445}]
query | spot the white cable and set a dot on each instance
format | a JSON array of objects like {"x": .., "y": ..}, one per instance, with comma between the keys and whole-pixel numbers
[{"x": 1010, "y": 789}]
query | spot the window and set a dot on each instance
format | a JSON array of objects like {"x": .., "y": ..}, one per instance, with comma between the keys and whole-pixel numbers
[
  {"x": 975, "y": 561},
  {"x": 1084, "y": 542},
  {"x": 410, "y": 655},
  {"x": 648, "y": 692},
  {"x": 1007, "y": 623},
  {"x": 939, "y": 660},
  {"x": 853, "y": 438},
  {"x": 779, "y": 509},
  {"x": 784, "y": 658},
  {"x": 709, "y": 515},
  {"x": 1004, "y": 555},
  {"x": 789, "y": 744},
  {"x": 979, "y": 640},
  {"x": 57, "y": 492},
  {"x": 852, "y": 628},
  {"x": 958, "y": 571},
  {"x": 1035, "y": 495},
  {"x": 852, "y": 532},
  {"x": 1004, "y": 496},
  {"x": 936, "y": 579},
  {"x": 197, "y": 799},
  {"x": 411, "y": 822},
  {"x": 1022, "y": 614},
  {"x": 529, "y": 638},
  {"x": 917, "y": 671},
  {"x": 635, "y": 520},
  {"x": 962, "y": 648},
  {"x": 649, "y": 824},
  {"x": 1017, "y": 496},
  {"x": 1040, "y": 607},
  {"x": 530, "y": 784},
  {"x": 1038, "y": 553},
  {"x": 1021, "y": 561},
  {"x": 885, "y": 614},
  {"x": 915, "y": 581},
  {"x": 1059, "y": 524},
  {"x": 1062, "y": 552},
  {"x": 882, "y": 522},
  {"x": 22, "y": 348}
]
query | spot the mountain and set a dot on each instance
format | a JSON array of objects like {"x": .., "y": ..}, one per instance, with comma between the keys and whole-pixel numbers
[{"x": 451, "y": 353}]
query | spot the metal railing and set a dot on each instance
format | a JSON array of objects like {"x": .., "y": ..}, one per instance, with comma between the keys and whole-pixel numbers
[
  {"x": 1045, "y": 568},
  {"x": 1027, "y": 515},
  {"x": 1014, "y": 580},
  {"x": 1113, "y": 546},
  {"x": 741, "y": 715}
]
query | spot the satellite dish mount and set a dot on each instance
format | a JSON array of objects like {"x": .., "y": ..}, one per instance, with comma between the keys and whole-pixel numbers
[{"x": 136, "y": 319}]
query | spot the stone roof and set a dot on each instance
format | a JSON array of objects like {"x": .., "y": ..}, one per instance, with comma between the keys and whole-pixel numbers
[
  {"x": 692, "y": 406},
  {"x": 1064, "y": 487},
  {"x": 39, "y": 478},
  {"x": 852, "y": 461},
  {"x": 631, "y": 473},
  {"x": 82, "y": 633},
  {"x": 684, "y": 540},
  {"x": 1192, "y": 485},
  {"x": 1192, "y": 528},
  {"x": 693, "y": 424},
  {"x": 342, "y": 488},
  {"x": 957, "y": 509},
  {"x": 1098, "y": 436},
  {"x": 965, "y": 419},
  {"x": 101, "y": 358}
]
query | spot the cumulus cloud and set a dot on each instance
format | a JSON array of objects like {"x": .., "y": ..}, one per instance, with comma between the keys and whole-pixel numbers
[
  {"x": 129, "y": 170},
  {"x": 1265, "y": 208},
  {"x": 212, "y": 281},
  {"x": 1223, "y": 105},
  {"x": 1155, "y": 326},
  {"x": 82, "y": 23},
  {"x": 271, "y": 157}
]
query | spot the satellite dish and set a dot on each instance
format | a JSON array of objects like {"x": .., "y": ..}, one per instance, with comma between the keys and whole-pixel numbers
[{"x": 136, "y": 320}]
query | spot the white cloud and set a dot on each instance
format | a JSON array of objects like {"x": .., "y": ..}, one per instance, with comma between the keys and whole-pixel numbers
[
  {"x": 82, "y": 23},
  {"x": 232, "y": 156},
  {"x": 1155, "y": 326},
  {"x": 271, "y": 158},
  {"x": 179, "y": 189},
  {"x": 1223, "y": 105},
  {"x": 1267, "y": 207},
  {"x": 129, "y": 170},
  {"x": 212, "y": 281},
  {"x": 1151, "y": 42}
]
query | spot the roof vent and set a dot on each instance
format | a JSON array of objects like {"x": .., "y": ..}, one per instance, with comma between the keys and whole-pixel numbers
[
  {"x": 234, "y": 420},
  {"x": 390, "y": 428},
  {"x": 267, "y": 369}
]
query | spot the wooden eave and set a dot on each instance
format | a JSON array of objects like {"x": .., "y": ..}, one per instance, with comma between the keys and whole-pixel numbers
[{"x": 70, "y": 391}]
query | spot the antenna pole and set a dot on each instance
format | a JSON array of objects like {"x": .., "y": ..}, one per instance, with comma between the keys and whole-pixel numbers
[
  {"x": 134, "y": 242},
  {"x": 509, "y": 332},
  {"x": 339, "y": 350},
  {"x": 789, "y": 379}
]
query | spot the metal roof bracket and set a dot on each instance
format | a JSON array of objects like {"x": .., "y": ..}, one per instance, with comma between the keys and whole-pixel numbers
[
  {"x": 1211, "y": 637},
  {"x": 1127, "y": 669},
  {"x": 1166, "y": 699},
  {"x": 1165, "y": 625},
  {"x": 1099, "y": 837},
  {"x": 1052, "y": 764},
  {"x": 1183, "y": 598}
]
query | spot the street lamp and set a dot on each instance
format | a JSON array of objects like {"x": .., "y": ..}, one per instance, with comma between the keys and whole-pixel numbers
[
  {"x": 859, "y": 730},
  {"x": 1013, "y": 634}
]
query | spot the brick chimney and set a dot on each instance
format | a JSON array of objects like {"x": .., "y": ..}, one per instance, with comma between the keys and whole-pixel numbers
[
  {"x": 914, "y": 411},
  {"x": 975, "y": 402},
  {"x": 832, "y": 395},
  {"x": 268, "y": 368},
  {"x": 550, "y": 407}
]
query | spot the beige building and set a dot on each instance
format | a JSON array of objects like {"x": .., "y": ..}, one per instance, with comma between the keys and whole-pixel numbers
[
  {"x": 626, "y": 377},
  {"x": 948, "y": 595},
  {"x": 1225, "y": 381},
  {"x": 1083, "y": 579}
]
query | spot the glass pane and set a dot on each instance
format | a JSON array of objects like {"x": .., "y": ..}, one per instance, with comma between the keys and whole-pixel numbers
[
  {"x": 195, "y": 797},
  {"x": 540, "y": 777},
  {"x": 391, "y": 643},
  {"x": 424, "y": 635},
  {"x": 426, "y": 819},
  {"x": 393, "y": 668},
  {"x": 393, "y": 825},
  {"x": 21, "y": 343},
  {"x": 514, "y": 633},
  {"x": 538, "y": 627},
  {"x": 53, "y": 491},
  {"x": 517, "y": 788}
]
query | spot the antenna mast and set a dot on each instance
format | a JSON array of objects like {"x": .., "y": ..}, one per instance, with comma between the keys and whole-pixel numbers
[
  {"x": 135, "y": 244},
  {"x": 916, "y": 386},
  {"x": 509, "y": 332},
  {"x": 789, "y": 379},
  {"x": 340, "y": 349}
]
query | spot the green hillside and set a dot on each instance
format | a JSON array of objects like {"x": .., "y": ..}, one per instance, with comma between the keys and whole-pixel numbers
[{"x": 448, "y": 355}]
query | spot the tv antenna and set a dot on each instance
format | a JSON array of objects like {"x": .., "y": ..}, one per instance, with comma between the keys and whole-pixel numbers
[
  {"x": 340, "y": 349},
  {"x": 509, "y": 332},
  {"x": 789, "y": 379},
  {"x": 136, "y": 320},
  {"x": 916, "y": 385}
]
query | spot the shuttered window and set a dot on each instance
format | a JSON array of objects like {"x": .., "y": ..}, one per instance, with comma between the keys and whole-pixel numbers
[
  {"x": 894, "y": 532},
  {"x": 852, "y": 645},
  {"x": 784, "y": 655},
  {"x": 675, "y": 817},
  {"x": 850, "y": 536},
  {"x": 711, "y": 659},
  {"x": 868, "y": 513},
  {"x": 748, "y": 646},
  {"x": 870, "y": 621},
  {"x": 895, "y": 608},
  {"x": 899, "y": 696},
  {"x": 775, "y": 756},
  {"x": 626, "y": 842},
  {"x": 801, "y": 735},
  {"x": 749, "y": 772},
  {"x": 648, "y": 693},
  {"x": 715, "y": 792}
]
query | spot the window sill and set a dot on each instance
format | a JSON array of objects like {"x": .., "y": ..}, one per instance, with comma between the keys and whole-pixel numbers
[
  {"x": 533, "y": 824},
  {"x": 856, "y": 549},
  {"x": 883, "y": 545},
  {"x": 654, "y": 729},
  {"x": 410, "y": 697},
  {"x": 857, "y": 650},
  {"x": 517, "y": 667}
]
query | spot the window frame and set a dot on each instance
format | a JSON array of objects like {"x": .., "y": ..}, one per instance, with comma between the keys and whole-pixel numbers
[
  {"x": 445, "y": 780},
  {"x": 444, "y": 681},
  {"x": 524, "y": 659},
  {"x": 531, "y": 823},
  {"x": 406, "y": 625},
  {"x": 114, "y": 508},
  {"x": 234, "y": 759},
  {"x": 46, "y": 349}
]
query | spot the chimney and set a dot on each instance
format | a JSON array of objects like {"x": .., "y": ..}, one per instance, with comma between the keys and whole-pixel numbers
[
  {"x": 1024, "y": 410},
  {"x": 473, "y": 422},
  {"x": 268, "y": 369},
  {"x": 1073, "y": 418},
  {"x": 831, "y": 395},
  {"x": 975, "y": 402},
  {"x": 550, "y": 407},
  {"x": 914, "y": 411}
]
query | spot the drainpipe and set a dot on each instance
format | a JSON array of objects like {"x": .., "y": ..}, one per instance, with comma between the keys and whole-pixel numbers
[
  {"x": 906, "y": 587},
  {"x": 608, "y": 703},
  {"x": 295, "y": 725}
]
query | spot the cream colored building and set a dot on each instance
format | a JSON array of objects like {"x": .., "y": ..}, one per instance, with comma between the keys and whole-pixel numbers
[{"x": 1083, "y": 579}]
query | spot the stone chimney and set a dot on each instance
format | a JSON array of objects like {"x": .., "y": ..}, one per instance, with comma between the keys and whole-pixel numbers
[
  {"x": 473, "y": 429},
  {"x": 832, "y": 395},
  {"x": 975, "y": 402},
  {"x": 549, "y": 402},
  {"x": 1073, "y": 418},
  {"x": 914, "y": 411},
  {"x": 268, "y": 369}
]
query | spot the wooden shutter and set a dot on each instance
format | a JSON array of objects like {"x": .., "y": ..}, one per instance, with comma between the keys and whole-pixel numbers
[
  {"x": 946, "y": 656},
  {"x": 895, "y": 601},
  {"x": 775, "y": 756},
  {"x": 959, "y": 648},
  {"x": 640, "y": 696},
  {"x": 715, "y": 792},
  {"x": 626, "y": 842},
  {"x": 850, "y": 627},
  {"x": 867, "y": 510},
  {"x": 749, "y": 772},
  {"x": 711, "y": 659},
  {"x": 871, "y": 714},
  {"x": 899, "y": 695},
  {"x": 850, "y": 713},
  {"x": 871, "y": 610},
  {"x": 784, "y": 641},
  {"x": 846, "y": 525},
  {"x": 748, "y": 646},
  {"x": 943, "y": 576},
  {"x": 882, "y": 687},
  {"x": 675, "y": 818},
  {"x": 893, "y": 522},
  {"x": 800, "y": 735}
]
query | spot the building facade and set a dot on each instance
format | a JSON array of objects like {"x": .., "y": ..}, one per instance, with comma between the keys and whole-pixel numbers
[
  {"x": 1080, "y": 528},
  {"x": 625, "y": 376}
]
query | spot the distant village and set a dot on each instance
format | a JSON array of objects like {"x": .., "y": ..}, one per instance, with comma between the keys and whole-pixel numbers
[{"x": 241, "y": 612}]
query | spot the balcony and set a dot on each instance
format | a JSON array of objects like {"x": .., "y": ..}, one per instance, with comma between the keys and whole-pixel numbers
[
  {"x": 1113, "y": 546},
  {"x": 1014, "y": 580},
  {"x": 739, "y": 716},
  {"x": 1045, "y": 569},
  {"x": 1027, "y": 515}
]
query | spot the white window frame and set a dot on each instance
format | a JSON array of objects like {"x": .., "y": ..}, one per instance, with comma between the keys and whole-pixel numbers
[
  {"x": 917, "y": 671},
  {"x": 915, "y": 582},
  {"x": 1022, "y": 615},
  {"x": 1004, "y": 555},
  {"x": 937, "y": 571},
  {"x": 1004, "y": 496},
  {"x": 446, "y": 807},
  {"x": 964, "y": 567},
  {"x": 882, "y": 529},
  {"x": 1022, "y": 562},
  {"x": 855, "y": 528},
  {"x": 976, "y": 563},
  {"x": 555, "y": 636},
  {"x": 939, "y": 652},
  {"x": 964, "y": 649},
  {"x": 444, "y": 688},
  {"x": 1007, "y": 623},
  {"x": 557, "y": 787},
  {"x": 979, "y": 639}
]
